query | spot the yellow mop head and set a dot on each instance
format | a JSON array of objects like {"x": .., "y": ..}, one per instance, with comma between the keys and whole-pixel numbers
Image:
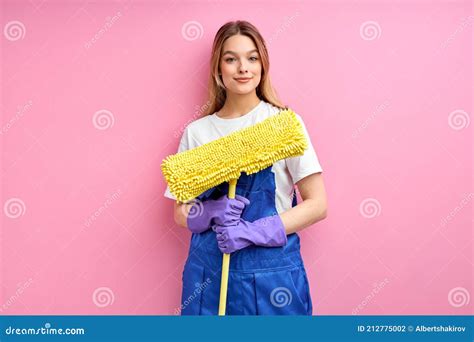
[{"x": 190, "y": 173}]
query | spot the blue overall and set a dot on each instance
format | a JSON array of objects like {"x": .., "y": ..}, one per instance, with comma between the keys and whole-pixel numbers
[{"x": 262, "y": 280}]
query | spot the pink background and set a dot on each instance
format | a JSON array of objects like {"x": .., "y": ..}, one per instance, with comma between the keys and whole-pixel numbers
[{"x": 95, "y": 95}]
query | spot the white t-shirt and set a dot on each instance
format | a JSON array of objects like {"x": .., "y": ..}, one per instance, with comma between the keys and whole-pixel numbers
[{"x": 287, "y": 171}]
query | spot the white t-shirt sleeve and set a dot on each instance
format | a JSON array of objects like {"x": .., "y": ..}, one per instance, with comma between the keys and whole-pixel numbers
[
  {"x": 305, "y": 165},
  {"x": 185, "y": 144}
]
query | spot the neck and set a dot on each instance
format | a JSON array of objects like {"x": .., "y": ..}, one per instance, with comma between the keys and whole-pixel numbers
[{"x": 237, "y": 105}]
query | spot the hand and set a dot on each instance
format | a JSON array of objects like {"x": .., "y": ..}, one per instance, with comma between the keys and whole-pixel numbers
[
  {"x": 267, "y": 231},
  {"x": 221, "y": 211}
]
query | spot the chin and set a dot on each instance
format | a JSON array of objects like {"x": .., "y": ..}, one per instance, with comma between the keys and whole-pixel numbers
[
  {"x": 247, "y": 88},
  {"x": 242, "y": 92}
]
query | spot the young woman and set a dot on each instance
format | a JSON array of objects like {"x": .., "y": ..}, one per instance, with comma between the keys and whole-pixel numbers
[{"x": 267, "y": 274}]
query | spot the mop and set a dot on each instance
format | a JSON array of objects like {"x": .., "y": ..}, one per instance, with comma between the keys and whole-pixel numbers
[{"x": 250, "y": 150}]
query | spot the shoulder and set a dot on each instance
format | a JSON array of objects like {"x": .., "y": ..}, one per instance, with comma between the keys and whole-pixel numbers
[
  {"x": 271, "y": 109},
  {"x": 267, "y": 110},
  {"x": 198, "y": 125}
]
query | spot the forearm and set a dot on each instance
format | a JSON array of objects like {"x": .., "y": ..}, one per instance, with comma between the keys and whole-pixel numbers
[{"x": 303, "y": 215}]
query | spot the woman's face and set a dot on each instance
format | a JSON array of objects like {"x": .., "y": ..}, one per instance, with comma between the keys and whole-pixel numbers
[{"x": 240, "y": 59}]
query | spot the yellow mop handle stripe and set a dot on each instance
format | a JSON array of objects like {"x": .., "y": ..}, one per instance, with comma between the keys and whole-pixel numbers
[{"x": 226, "y": 262}]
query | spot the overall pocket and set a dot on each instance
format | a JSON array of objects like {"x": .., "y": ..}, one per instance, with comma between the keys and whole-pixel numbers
[{"x": 282, "y": 292}]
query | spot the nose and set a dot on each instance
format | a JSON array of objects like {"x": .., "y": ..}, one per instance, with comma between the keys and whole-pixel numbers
[{"x": 243, "y": 68}]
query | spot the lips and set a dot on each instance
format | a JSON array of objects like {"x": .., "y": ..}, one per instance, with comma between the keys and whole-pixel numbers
[{"x": 243, "y": 80}]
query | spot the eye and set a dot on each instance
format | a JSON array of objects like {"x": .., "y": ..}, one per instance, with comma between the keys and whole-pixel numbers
[
  {"x": 254, "y": 58},
  {"x": 229, "y": 59}
]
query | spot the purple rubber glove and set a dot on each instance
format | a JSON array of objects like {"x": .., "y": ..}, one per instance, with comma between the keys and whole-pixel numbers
[
  {"x": 203, "y": 215},
  {"x": 267, "y": 231}
]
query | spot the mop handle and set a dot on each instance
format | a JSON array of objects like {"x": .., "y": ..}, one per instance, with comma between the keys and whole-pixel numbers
[{"x": 226, "y": 261}]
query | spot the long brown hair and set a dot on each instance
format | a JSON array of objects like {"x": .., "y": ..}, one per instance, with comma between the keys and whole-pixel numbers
[{"x": 216, "y": 89}]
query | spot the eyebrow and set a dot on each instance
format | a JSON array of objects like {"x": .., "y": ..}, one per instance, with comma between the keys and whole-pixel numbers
[{"x": 235, "y": 53}]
